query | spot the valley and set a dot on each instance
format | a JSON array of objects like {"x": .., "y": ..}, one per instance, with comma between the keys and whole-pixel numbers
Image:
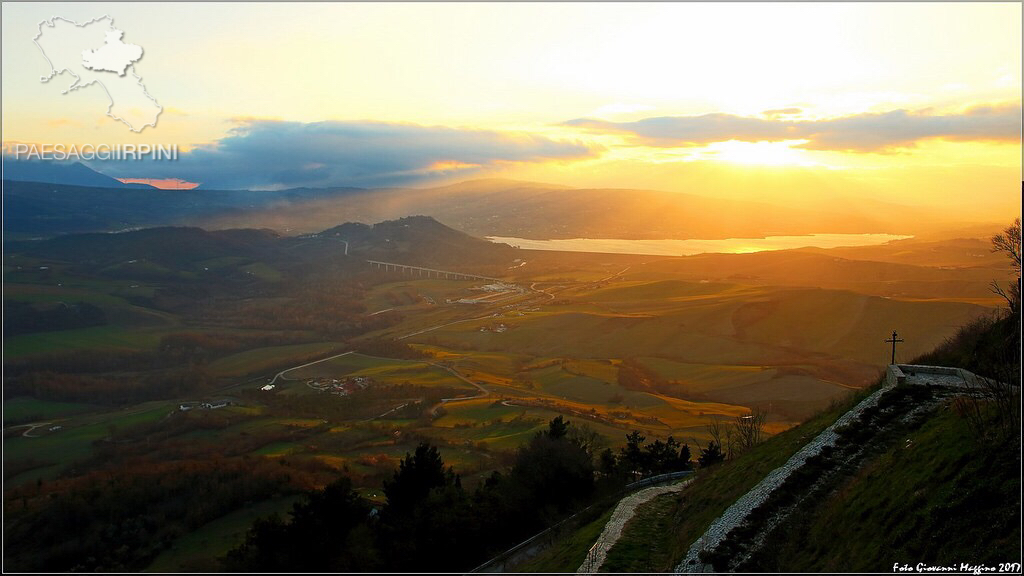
[
  {"x": 249, "y": 345},
  {"x": 445, "y": 287}
]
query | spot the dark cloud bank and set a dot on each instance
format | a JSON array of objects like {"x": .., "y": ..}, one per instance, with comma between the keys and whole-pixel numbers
[
  {"x": 870, "y": 132},
  {"x": 275, "y": 154},
  {"x": 271, "y": 154}
]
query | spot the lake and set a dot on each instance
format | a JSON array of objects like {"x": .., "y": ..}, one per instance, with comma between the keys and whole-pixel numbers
[{"x": 691, "y": 247}]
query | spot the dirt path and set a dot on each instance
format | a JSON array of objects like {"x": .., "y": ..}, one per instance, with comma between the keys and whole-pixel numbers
[{"x": 624, "y": 511}]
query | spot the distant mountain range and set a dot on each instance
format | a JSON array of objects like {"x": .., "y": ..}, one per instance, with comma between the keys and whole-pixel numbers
[
  {"x": 44, "y": 200},
  {"x": 42, "y": 209},
  {"x": 72, "y": 173}
]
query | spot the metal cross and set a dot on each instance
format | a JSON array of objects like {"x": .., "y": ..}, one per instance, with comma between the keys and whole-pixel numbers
[{"x": 894, "y": 340}]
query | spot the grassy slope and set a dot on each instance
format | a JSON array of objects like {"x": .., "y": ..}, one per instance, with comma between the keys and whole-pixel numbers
[
  {"x": 199, "y": 551},
  {"x": 259, "y": 360},
  {"x": 934, "y": 493},
  {"x": 644, "y": 544},
  {"x": 941, "y": 498},
  {"x": 691, "y": 511},
  {"x": 567, "y": 554}
]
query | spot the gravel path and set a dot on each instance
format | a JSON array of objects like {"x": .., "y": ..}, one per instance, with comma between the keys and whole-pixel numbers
[
  {"x": 613, "y": 529},
  {"x": 742, "y": 508}
]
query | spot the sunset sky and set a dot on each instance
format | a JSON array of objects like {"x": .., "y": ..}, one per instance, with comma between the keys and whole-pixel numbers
[{"x": 911, "y": 102}]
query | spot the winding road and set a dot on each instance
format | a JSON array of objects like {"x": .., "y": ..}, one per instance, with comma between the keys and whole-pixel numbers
[
  {"x": 30, "y": 427},
  {"x": 282, "y": 376}
]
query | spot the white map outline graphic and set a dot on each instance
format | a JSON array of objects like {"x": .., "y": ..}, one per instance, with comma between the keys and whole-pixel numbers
[{"x": 76, "y": 84}]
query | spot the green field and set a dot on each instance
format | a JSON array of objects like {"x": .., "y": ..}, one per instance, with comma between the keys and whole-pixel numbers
[
  {"x": 74, "y": 440},
  {"x": 654, "y": 293},
  {"x": 276, "y": 449},
  {"x": 482, "y": 422},
  {"x": 94, "y": 338},
  {"x": 381, "y": 370},
  {"x": 80, "y": 292},
  {"x": 494, "y": 363},
  {"x": 26, "y": 408},
  {"x": 198, "y": 551},
  {"x": 262, "y": 360},
  {"x": 481, "y": 410},
  {"x": 410, "y": 293},
  {"x": 704, "y": 377},
  {"x": 262, "y": 271}
]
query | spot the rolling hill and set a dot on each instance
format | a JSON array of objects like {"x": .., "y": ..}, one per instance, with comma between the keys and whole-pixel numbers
[
  {"x": 524, "y": 209},
  {"x": 53, "y": 205},
  {"x": 417, "y": 240}
]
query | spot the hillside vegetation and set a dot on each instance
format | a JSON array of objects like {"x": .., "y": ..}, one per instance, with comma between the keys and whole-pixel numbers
[
  {"x": 929, "y": 477},
  {"x": 118, "y": 347}
]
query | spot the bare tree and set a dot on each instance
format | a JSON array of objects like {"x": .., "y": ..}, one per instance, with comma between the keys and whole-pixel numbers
[
  {"x": 749, "y": 429},
  {"x": 586, "y": 438},
  {"x": 716, "y": 430},
  {"x": 1009, "y": 241},
  {"x": 992, "y": 406}
]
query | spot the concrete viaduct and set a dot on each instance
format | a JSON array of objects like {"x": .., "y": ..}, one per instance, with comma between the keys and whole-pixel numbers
[{"x": 428, "y": 272}]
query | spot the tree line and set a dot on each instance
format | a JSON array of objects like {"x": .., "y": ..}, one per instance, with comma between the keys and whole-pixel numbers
[
  {"x": 119, "y": 520},
  {"x": 430, "y": 522}
]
